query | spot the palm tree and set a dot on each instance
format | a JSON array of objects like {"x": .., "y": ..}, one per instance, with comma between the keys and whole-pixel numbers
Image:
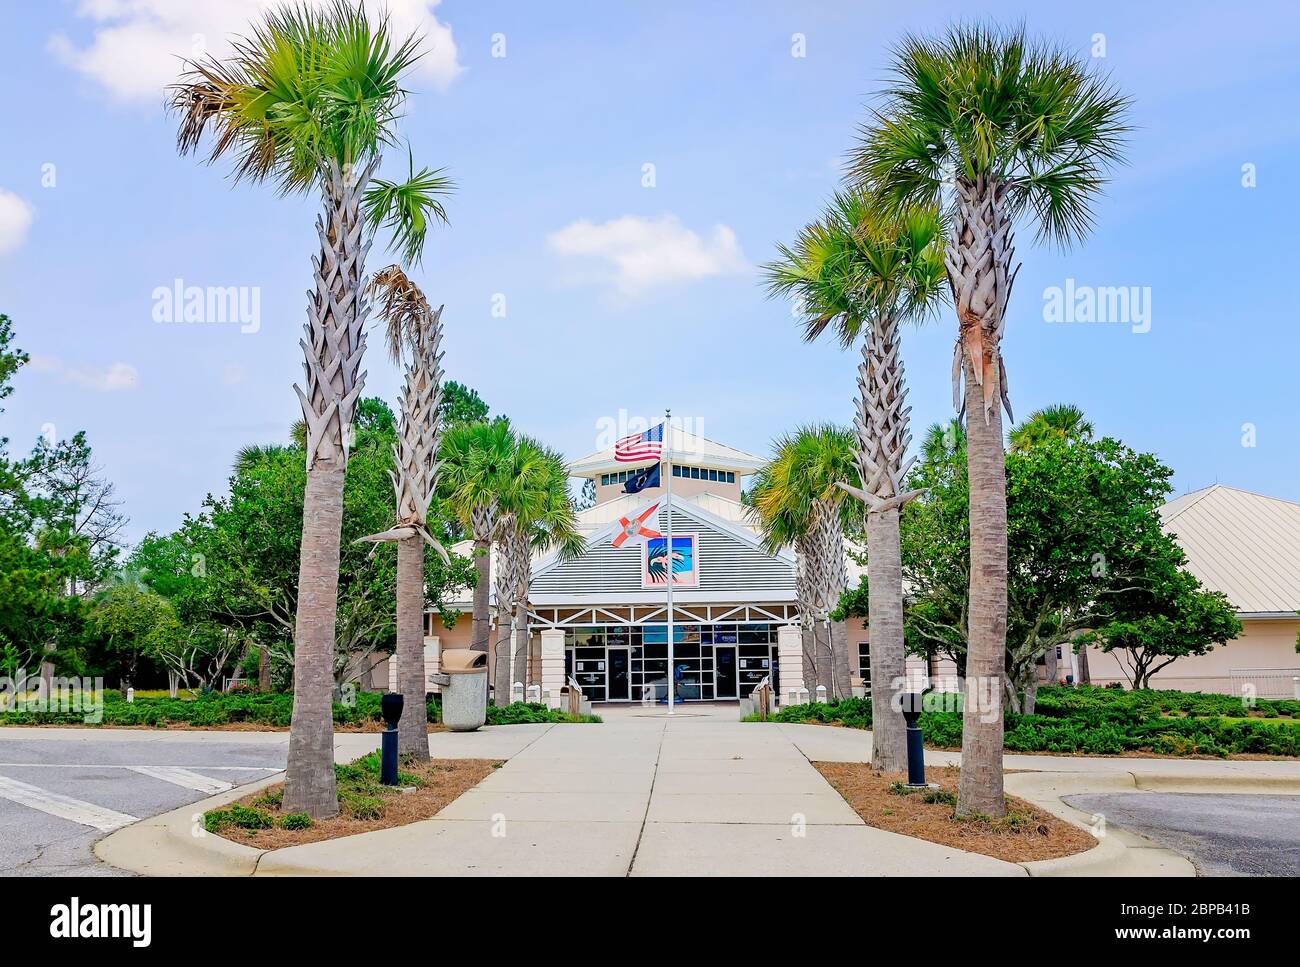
[
  {"x": 999, "y": 129},
  {"x": 542, "y": 517},
  {"x": 1061, "y": 421},
  {"x": 309, "y": 102},
  {"x": 414, "y": 332},
  {"x": 478, "y": 460},
  {"x": 799, "y": 503},
  {"x": 861, "y": 272}
]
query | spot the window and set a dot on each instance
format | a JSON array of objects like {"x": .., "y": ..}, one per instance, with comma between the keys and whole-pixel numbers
[{"x": 731, "y": 477}]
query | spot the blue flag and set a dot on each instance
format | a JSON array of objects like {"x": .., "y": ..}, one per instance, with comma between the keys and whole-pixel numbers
[{"x": 649, "y": 477}]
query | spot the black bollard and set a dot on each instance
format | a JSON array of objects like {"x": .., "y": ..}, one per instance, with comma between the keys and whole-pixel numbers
[
  {"x": 391, "y": 707},
  {"x": 915, "y": 739}
]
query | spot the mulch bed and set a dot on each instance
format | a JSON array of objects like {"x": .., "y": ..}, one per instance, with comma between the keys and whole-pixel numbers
[
  {"x": 1027, "y": 833},
  {"x": 444, "y": 781}
]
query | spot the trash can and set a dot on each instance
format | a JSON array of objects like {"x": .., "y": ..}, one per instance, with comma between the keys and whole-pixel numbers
[{"x": 464, "y": 697}]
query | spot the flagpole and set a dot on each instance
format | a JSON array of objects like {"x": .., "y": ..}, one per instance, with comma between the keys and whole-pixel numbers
[{"x": 668, "y": 455}]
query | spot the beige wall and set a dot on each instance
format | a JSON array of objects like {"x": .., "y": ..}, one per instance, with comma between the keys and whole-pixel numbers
[{"x": 1264, "y": 643}]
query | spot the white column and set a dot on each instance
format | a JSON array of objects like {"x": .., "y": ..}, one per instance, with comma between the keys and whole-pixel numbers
[
  {"x": 789, "y": 651},
  {"x": 553, "y": 662}
]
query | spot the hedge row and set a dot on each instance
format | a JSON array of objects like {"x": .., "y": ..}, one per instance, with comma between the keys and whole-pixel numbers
[
  {"x": 272, "y": 709},
  {"x": 1106, "y": 721}
]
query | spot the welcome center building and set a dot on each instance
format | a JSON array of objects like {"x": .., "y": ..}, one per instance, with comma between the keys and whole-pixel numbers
[{"x": 602, "y": 619}]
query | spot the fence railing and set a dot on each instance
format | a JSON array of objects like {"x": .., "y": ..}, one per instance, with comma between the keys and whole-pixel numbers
[{"x": 1266, "y": 682}]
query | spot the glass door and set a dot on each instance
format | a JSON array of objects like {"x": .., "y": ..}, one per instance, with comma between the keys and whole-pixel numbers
[
  {"x": 724, "y": 671},
  {"x": 619, "y": 682}
]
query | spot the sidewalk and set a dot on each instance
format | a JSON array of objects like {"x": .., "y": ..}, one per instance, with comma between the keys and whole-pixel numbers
[{"x": 646, "y": 795}]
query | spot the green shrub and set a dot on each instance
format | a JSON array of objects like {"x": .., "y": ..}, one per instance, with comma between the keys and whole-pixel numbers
[
  {"x": 295, "y": 821},
  {"x": 1107, "y": 721}
]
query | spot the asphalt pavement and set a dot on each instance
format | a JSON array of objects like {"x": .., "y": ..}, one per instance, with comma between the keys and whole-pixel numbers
[
  {"x": 1223, "y": 835},
  {"x": 62, "y": 789}
]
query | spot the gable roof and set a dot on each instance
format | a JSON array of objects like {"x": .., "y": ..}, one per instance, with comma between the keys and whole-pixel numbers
[
  {"x": 1241, "y": 543},
  {"x": 686, "y": 447},
  {"x": 732, "y": 563}
]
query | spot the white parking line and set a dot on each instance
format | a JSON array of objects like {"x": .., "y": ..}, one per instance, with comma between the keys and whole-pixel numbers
[
  {"x": 183, "y": 777},
  {"x": 65, "y": 807},
  {"x": 101, "y": 765}
]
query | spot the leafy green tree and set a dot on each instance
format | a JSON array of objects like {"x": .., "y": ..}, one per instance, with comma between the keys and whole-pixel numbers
[
  {"x": 309, "y": 102},
  {"x": 134, "y": 624},
  {"x": 998, "y": 130},
  {"x": 1166, "y": 617},
  {"x": 461, "y": 404}
]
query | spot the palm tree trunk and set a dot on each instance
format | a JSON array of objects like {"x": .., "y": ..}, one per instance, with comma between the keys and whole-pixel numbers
[
  {"x": 521, "y": 646},
  {"x": 309, "y": 777},
  {"x": 888, "y": 660},
  {"x": 844, "y": 670},
  {"x": 413, "y": 729},
  {"x": 480, "y": 628},
  {"x": 333, "y": 349},
  {"x": 501, "y": 655},
  {"x": 980, "y": 789},
  {"x": 809, "y": 640}
]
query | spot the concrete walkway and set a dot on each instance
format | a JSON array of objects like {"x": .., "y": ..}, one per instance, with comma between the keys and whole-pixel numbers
[
  {"x": 696, "y": 794},
  {"x": 642, "y": 794}
]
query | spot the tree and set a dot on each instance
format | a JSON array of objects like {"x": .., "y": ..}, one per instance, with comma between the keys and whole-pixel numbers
[
  {"x": 1162, "y": 618},
  {"x": 1085, "y": 547},
  {"x": 1018, "y": 131},
  {"x": 586, "y": 499},
  {"x": 235, "y": 564},
  {"x": 58, "y": 539},
  {"x": 861, "y": 273},
  {"x": 476, "y": 460},
  {"x": 1064, "y": 421},
  {"x": 134, "y": 623},
  {"x": 461, "y": 404},
  {"x": 541, "y": 518},
  {"x": 414, "y": 331},
  {"x": 309, "y": 102},
  {"x": 799, "y": 503}
]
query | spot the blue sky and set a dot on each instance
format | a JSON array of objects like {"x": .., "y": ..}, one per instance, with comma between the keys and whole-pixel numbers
[{"x": 624, "y": 297}]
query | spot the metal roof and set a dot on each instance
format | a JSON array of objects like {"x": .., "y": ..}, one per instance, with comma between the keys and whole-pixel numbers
[{"x": 1241, "y": 543}]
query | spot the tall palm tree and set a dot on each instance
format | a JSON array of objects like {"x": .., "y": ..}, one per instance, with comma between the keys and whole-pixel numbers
[
  {"x": 860, "y": 272},
  {"x": 998, "y": 129},
  {"x": 309, "y": 102},
  {"x": 798, "y": 502},
  {"x": 414, "y": 333},
  {"x": 542, "y": 518},
  {"x": 1061, "y": 421},
  {"x": 478, "y": 463}
]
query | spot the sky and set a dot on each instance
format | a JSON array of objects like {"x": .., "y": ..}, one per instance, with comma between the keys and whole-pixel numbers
[{"x": 623, "y": 171}]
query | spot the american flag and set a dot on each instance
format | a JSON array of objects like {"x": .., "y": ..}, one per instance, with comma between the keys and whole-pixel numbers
[{"x": 640, "y": 446}]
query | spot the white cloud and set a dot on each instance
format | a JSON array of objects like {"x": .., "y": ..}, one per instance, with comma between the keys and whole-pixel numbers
[
  {"x": 642, "y": 253},
  {"x": 137, "y": 46},
  {"x": 15, "y": 218},
  {"x": 117, "y": 377}
]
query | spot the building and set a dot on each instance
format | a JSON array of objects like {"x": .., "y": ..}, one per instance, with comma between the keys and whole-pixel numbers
[
  {"x": 1247, "y": 546},
  {"x": 602, "y": 619}
]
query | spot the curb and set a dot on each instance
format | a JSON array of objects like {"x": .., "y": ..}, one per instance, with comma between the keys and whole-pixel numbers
[{"x": 176, "y": 844}]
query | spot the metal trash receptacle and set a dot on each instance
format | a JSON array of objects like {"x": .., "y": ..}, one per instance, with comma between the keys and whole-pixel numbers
[{"x": 464, "y": 697}]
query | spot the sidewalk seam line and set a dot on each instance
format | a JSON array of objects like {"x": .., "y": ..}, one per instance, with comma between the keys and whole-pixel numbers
[{"x": 648, "y": 799}]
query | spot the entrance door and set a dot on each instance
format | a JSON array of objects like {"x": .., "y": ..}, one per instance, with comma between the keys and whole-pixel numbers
[
  {"x": 724, "y": 658},
  {"x": 619, "y": 683}
]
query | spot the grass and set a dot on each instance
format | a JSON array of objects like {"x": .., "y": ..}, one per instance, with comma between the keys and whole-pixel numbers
[
  {"x": 423, "y": 790},
  {"x": 1027, "y": 833}
]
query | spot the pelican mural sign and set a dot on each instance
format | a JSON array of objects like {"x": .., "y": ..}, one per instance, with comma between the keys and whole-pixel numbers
[{"x": 685, "y": 562}]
